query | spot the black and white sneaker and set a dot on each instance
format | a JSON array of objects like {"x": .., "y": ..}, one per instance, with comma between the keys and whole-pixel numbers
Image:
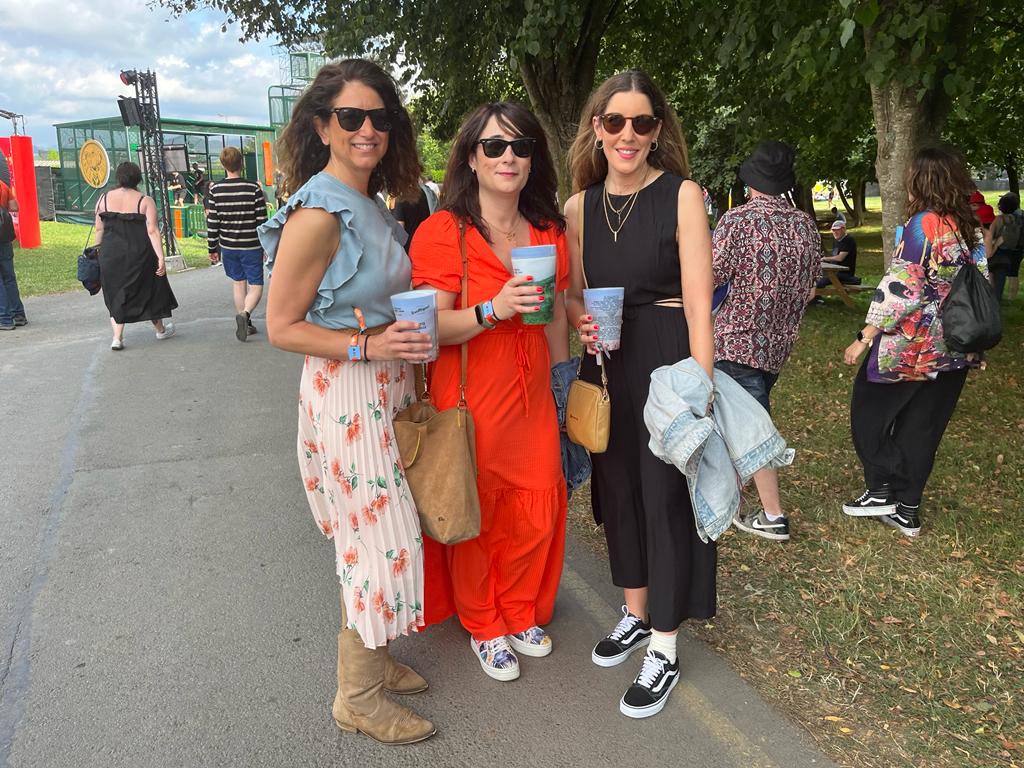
[
  {"x": 759, "y": 524},
  {"x": 871, "y": 504},
  {"x": 649, "y": 692},
  {"x": 629, "y": 634},
  {"x": 905, "y": 519}
]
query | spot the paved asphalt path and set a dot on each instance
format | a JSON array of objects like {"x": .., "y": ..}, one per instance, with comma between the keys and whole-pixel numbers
[{"x": 165, "y": 599}]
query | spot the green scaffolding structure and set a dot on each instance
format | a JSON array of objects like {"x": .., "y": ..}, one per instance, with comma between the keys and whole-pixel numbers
[{"x": 75, "y": 200}]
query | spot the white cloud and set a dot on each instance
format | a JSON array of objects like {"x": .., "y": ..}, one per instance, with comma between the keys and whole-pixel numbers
[{"x": 61, "y": 60}]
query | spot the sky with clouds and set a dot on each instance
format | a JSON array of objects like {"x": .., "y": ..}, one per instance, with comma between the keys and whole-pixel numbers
[{"x": 60, "y": 60}]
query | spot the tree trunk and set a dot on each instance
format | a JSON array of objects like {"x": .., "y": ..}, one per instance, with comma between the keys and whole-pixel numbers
[
  {"x": 559, "y": 86},
  {"x": 901, "y": 128},
  {"x": 738, "y": 193},
  {"x": 1013, "y": 172},
  {"x": 906, "y": 118},
  {"x": 859, "y": 192},
  {"x": 803, "y": 198},
  {"x": 846, "y": 204}
]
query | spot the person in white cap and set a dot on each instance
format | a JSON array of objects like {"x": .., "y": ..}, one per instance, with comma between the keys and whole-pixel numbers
[{"x": 844, "y": 253}]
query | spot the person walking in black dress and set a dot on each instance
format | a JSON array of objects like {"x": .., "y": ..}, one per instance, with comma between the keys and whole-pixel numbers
[
  {"x": 132, "y": 271},
  {"x": 644, "y": 228}
]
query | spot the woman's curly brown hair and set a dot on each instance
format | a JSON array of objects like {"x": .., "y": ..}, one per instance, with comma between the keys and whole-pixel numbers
[
  {"x": 937, "y": 180},
  {"x": 301, "y": 153}
]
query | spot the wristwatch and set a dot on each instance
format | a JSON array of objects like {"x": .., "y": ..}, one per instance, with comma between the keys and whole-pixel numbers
[{"x": 861, "y": 339}]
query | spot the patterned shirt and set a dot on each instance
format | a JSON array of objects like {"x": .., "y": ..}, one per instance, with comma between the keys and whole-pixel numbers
[
  {"x": 770, "y": 254},
  {"x": 906, "y": 304}
]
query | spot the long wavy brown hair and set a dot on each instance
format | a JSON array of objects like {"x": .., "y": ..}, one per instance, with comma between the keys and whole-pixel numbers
[
  {"x": 538, "y": 201},
  {"x": 937, "y": 180},
  {"x": 588, "y": 165},
  {"x": 301, "y": 154}
]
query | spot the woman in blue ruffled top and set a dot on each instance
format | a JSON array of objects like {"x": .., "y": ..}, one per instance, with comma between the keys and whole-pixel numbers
[{"x": 336, "y": 257}]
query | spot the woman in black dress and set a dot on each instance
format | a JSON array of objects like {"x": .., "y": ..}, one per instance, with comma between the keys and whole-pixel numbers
[
  {"x": 132, "y": 271},
  {"x": 644, "y": 228}
]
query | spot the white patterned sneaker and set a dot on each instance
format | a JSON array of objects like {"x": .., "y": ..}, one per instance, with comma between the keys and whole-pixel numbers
[
  {"x": 167, "y": 332},
  {"x": 531, "y": 642},
  {"x": 496, "y": 658}
]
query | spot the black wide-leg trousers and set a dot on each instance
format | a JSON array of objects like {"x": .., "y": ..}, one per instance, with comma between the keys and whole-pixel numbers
[{"x": 897, "y": 429}]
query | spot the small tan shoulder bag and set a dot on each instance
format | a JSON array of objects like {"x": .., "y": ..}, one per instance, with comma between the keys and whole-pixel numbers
[{"x": 588, "y": 411}]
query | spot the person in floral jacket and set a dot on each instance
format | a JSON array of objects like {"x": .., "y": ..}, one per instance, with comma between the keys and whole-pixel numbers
[{"x": 908, "y": 386}]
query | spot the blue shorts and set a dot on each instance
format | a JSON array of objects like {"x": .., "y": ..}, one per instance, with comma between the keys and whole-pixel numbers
[
  {"x": 243, "y": 264},
  {"x": 757, "y": 382}
]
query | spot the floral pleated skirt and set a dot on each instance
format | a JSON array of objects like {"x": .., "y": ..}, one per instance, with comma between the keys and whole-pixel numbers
[{"x": 357, "y": 491}]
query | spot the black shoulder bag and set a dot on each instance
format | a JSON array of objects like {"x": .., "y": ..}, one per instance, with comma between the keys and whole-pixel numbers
[{"x": 970, "y": 314}]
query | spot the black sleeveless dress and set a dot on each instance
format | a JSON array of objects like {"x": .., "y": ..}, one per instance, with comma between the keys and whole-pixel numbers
[
  {"x": 132, "y": 290},
  {"x": 643, "y": 502}
]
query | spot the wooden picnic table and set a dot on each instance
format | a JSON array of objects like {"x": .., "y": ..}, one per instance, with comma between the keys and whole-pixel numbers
[{"x": 838, "y": 287}]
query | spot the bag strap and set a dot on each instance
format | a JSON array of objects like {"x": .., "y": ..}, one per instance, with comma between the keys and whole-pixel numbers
[
  {"x": 583, "y": 271},
  {"x": 465, "y": 305}
]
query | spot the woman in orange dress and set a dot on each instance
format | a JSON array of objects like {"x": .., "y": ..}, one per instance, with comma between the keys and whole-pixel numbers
[{"x": 500, "y": 187}]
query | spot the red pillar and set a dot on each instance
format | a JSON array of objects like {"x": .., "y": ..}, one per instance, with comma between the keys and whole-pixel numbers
[{"x": 23, "y": 174}]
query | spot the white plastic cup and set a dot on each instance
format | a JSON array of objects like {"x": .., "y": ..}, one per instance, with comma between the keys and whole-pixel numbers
[
  {"x": 539, "y": 262},
  {"x": 419, "y": 307},
  {"x": 605, "y": 306}
]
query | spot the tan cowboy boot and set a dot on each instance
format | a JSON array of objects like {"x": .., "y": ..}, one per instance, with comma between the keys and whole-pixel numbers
[
  {"x": 398, "y": 678},
  {"x": 361, "y": 705}
]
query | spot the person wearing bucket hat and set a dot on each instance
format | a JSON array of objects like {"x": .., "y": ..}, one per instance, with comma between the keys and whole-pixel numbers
[
  {"x": 769, "y": 169},
  {"x": 770, "y": 254}
]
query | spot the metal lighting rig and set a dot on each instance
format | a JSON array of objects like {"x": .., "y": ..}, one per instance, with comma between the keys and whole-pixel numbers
[{"x": 146, "y": 114}]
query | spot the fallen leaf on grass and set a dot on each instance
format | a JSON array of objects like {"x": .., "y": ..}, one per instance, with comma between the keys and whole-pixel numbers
[
  {"x": 795, "y": 673},
  {"x": 951, "y": 703},
  {"x": 832, "y": 718},
  {"x": 846, "y": 730},
  {"x": 891, "y": 620}
]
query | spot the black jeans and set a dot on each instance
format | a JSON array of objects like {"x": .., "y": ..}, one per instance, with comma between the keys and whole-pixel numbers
[{"x": 897, "y": 429}]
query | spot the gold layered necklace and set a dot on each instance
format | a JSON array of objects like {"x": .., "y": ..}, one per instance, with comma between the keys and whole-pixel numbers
[
  {"x": 510, "y": 235},
  {"x": 622, "y": 214}
]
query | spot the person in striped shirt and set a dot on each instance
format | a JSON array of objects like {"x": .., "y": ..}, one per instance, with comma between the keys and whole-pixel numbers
[{"x": 235, "y": 208}]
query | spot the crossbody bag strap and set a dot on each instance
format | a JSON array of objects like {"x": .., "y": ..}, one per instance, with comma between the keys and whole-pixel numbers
[
  {"x": 583, "y": 271},
  {"x": 465, "y": 305}
]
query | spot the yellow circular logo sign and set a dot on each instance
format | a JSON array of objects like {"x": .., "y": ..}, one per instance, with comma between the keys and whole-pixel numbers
[{"x": 94, "y": 164}]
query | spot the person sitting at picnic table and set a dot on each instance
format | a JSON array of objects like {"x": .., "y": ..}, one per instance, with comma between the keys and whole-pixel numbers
[{"x": 844, "y": 254}]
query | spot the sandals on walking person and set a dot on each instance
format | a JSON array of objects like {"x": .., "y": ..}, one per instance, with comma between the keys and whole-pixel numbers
[
  {"x": 336, "y": 262},
  {"x": 133, "y": 275}
]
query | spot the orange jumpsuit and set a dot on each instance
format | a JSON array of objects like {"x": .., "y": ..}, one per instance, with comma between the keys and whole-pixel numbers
[{"x": 505, "y": 580}]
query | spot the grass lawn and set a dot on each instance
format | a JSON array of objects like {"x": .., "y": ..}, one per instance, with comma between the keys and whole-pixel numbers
[
  {"x": 890, "y": 652},
  {"x": 52, "y": 267}
]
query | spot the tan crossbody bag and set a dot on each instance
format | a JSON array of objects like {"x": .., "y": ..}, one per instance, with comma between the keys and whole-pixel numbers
[
  {"x": 588, "y": 411},
  {"x": 438, "y": 450}
]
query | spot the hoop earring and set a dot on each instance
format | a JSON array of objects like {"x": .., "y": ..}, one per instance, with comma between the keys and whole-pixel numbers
[
  {"x": 599, "y": 144},
  {"x": 654, "y": 146}
]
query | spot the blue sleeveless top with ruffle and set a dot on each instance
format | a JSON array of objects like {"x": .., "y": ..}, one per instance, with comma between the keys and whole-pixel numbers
[{"x": 370, "y": 265}]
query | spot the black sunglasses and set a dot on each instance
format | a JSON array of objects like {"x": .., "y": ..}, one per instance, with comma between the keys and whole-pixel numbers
[
  {"x": 352, "y": 118},
  {"x": 642, "y": 124},
  {"x": 496, "y": 147}
]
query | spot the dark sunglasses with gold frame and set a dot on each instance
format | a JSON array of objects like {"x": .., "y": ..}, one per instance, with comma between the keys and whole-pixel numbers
[{"x": 613, "y": 123}]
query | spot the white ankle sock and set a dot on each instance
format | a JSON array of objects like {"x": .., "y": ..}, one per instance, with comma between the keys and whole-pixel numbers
[
  {"x": 665, "y": 644},
  {"x": 772, "y": 517}
]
